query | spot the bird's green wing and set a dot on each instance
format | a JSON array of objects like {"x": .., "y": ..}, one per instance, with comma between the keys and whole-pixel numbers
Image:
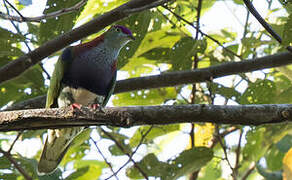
[
  {"x": 111, "y": 89},
  {"x": 55, "y": 82}
]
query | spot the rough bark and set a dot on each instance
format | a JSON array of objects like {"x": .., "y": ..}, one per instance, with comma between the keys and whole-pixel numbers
[
  {"x": 145, "y": 115},
  {"x": 182, "y": 77}
]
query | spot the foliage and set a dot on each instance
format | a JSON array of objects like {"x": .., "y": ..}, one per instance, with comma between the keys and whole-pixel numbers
[{"x": 163, "y": 43}]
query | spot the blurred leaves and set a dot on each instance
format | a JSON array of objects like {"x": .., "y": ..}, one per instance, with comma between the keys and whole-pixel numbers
[{"x": 163, "y": 43}]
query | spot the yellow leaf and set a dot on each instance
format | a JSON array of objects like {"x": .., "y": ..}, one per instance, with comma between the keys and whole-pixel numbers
[
  {"x": 203, "y": 134},
  {"x": 287, "y": 165}
]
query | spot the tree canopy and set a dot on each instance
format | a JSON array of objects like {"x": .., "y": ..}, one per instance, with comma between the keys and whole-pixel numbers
[{"x": 192, "y": 101}]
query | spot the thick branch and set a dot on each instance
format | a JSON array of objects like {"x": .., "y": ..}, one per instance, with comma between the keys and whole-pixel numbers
[
  {"x": 182, "y": 77},
  {"x": 204, "y": 74},
  {"x": 145, "y": 115},
  {"x": 18, "y": 66}
]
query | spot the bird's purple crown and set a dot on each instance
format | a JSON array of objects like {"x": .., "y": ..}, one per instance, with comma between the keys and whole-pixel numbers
[{"x": 124, "y": 29}]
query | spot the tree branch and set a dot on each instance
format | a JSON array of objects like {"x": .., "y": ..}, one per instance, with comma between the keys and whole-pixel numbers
[
  {"x": 145, "y": 115},
  {"x": 18, "y": 66},
  {"x": 58, "y": 13},
  {"x": 16, "y": 164},
  {"x": 203, "y": 74},
  {"x": 181, "y": 77}
]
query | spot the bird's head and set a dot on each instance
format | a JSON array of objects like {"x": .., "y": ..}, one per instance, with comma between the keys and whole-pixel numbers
[{"x": 119, "y": 35}]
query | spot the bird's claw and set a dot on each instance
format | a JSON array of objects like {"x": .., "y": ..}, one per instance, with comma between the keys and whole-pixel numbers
[{"x": 97, "y": 106}]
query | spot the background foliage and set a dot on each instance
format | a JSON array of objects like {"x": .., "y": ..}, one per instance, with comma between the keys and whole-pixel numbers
[{"x": 163, "y": 43}]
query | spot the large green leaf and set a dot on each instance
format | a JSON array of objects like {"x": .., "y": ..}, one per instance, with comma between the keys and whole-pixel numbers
[
  {"x": 212, "y": 170},
  {"x": 138, "y": 24},
  {"x": 287, "y": 32},
  {"x": 50, "y": 28},
  {"x": 259, "y": 92},
  {"x": 154, "y": 132},
  {"x": 87, "y": 170},
  {"x": 28, "y": 85},
  {"x": 274, "y": 158},
  {"x": 227, "y": 92},
  {"x": 187, "y": 162}
]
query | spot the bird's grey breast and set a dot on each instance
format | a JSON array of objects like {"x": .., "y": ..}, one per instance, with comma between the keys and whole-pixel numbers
[{"x": 92, "y": 70}]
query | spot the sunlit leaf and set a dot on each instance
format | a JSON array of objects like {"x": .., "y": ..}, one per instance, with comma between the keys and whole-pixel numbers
[{"x": 287, "y": 165}]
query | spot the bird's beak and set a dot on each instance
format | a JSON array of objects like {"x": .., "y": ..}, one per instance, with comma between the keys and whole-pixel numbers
[{"x": 131, "y": 37}]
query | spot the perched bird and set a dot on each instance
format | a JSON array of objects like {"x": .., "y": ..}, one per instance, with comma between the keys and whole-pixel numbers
[{"x": 84, "y": 75}]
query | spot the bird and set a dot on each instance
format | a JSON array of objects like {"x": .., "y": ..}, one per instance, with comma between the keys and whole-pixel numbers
[{"x": 84, "y": 75}]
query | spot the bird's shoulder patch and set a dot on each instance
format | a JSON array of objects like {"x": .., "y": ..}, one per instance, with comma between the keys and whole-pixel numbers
[{"x": 88, "y": 45}]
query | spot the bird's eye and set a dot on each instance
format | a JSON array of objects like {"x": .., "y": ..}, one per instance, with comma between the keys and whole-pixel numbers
[{"x": 118, "y": 29}]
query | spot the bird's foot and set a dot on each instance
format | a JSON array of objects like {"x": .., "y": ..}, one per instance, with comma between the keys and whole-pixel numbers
[
  {"x": 97, "y": 106},
  {"x": 76, "y": 105}
]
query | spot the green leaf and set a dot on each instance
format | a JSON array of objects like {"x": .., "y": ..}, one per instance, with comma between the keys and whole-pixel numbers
[
  {"x": 77, "y": 149},
  {"x": 212, "y": 170},
  {"x": 182, "y": 51},
  {"x": 274, "y": 158},
  {"x": 79, "y": 173},
  {"x": 4, "y": 163},
  {"x": 10, "y": 37},
  {"x": 259, "y": 92},
  {"x": 87, "y": 169},
  {"x": 30, "y": 84},
  {"x": 138, "y": 24},
  {"x": 51, "y": 28},
  {"x": 285, "y": 143},
  {"x": 227, "y": 92},
  {"x": 255, "y": 139},
  {"x": 116, "y": 150},
  {"x": 151, "y": 166},
  {"x": 56, "y": 175},
  {"x": 188, "y": 161},
  {"x": 287, "y": 32},
  {"x": 155, "y": 132},
  {"x": 268, "y": 175},
  {"x": 192, "y": 160}
]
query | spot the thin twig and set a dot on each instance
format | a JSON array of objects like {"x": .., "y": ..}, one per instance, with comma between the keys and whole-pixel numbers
[
  {"x": 237, "y": 153},
  {"x": 58, "y": 13},
  {"x": 262, "y": 21},
  {"x": 16, "y": 165},
  {"x": 104, "y": 158},
  {"x": 204, "y": 34},
  {"x": 21, "y": 16},
  {"x": 194, "y": 174},
  {"x": 124, "y": 151},
  {"x": 249, "y": 171},
  {"x": 225, "y": 152},
  {"x": 228, "y": 131},
  {"x": 13, "y": 143},
  {"x": 131, "y": 155},
  {"x": 171, "y": 22}
]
